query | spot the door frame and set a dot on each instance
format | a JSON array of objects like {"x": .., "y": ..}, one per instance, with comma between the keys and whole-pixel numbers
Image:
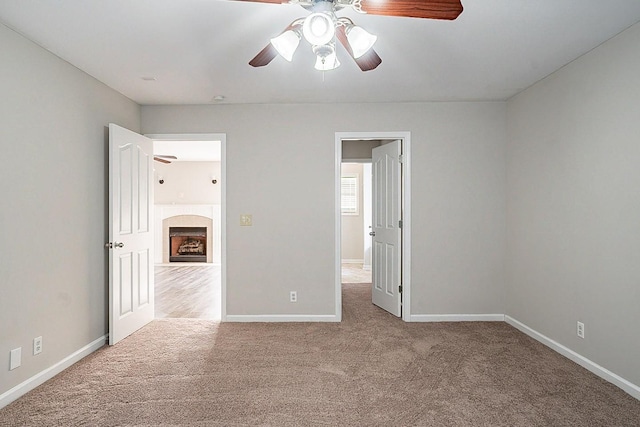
[
  {"x": 405, "y": 136},
  {"x": 222, "y": 137}
]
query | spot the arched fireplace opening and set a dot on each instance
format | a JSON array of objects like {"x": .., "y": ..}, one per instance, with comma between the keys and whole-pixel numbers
[{"x": 187, "y": 244}]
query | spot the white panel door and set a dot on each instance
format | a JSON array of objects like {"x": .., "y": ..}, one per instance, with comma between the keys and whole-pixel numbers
[
  {"x": 130, "y": 232},
  {"x": 386, "y": 231}
]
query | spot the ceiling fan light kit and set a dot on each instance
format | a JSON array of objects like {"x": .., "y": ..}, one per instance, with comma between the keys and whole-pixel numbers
[
  {"x": 326, "y": 58},
  {"x": 360, "y": 40},
  {"x": 322, "y": 27},
  {"x": 287, "y": 43},
  {"x": 319, "y": 28}
]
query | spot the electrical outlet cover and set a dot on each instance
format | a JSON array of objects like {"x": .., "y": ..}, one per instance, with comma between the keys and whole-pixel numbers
[
  {"x": 580, "y": 329},
  {"x": 37, "y": 345},
  {"x": 15, "y": 359}
]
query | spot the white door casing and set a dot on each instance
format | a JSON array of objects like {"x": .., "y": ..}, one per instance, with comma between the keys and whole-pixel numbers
[
  {"x": 131, "y": 278},
  {"x": 386, "y": 230}
]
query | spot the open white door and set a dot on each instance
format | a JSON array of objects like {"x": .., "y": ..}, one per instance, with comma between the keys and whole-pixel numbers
[
  {"x": 386, "y": 230},
  {"x": 130, "y": 232}
]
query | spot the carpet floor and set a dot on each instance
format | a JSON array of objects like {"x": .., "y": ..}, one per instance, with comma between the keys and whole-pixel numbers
[{"x": 371, "y": 369}]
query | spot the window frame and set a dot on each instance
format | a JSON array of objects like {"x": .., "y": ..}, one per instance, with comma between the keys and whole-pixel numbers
[{"x": 355, "y": 211}]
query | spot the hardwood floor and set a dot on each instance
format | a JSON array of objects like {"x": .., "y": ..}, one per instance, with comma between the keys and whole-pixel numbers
[
  {"x": 353, "y": 273},
  {"x": 193, "y": 290},
  {"x": 188, "y": 291}
]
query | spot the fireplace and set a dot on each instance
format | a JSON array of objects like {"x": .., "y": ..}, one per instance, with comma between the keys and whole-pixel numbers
[{"x": 187, "y": 244}]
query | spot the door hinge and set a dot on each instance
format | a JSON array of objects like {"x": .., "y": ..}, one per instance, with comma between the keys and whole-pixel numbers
[
  {"x": 400, "y": 288},
  {"x": 401, "y": 158},
  {"x": 400, "y": 224}
]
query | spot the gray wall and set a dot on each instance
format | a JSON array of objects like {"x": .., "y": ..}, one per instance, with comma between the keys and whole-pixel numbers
[
  {"x": 53, "y": 280},
  {"x": 574, "y": 205},
  {"x": 281, "y": 170}
]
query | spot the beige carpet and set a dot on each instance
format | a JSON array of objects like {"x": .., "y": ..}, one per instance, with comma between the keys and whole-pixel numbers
[{"x": 372, "y": 369}]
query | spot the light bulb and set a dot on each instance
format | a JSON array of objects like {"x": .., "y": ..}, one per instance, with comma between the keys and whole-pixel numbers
[{"x": 318, "y": 28}]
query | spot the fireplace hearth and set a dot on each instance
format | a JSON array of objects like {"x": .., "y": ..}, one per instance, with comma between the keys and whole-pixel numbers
[{"x": 187, "y": 244}]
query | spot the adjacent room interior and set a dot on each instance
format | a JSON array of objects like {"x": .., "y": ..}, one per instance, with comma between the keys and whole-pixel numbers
[{"x": 187, "y": 211}]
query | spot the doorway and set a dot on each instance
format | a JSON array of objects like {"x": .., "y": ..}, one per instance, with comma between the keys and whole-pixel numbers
[
  {"x": 362, "y": 144},
  {"x": 190, "y": 193},
  {"x": 356, "y": 221}
]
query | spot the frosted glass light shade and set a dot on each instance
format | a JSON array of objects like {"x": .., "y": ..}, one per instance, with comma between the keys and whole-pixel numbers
[
  {"x": 318, "y": 28},
  {"x": 286, "y": 44},
  {"x": 360, "y": 40},
  {"x": 330, "y": 62}
]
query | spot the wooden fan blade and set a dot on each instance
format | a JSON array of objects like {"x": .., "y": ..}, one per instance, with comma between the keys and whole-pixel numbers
[
  {"x": 369, "y": 61},
  {"x": 161, "y": 160},
  {"x": 366, "y": 62},
  {"x": 265, "y": 56},
  {"x": 430, "y": 9},
  {"x": 167, "y": 156}
]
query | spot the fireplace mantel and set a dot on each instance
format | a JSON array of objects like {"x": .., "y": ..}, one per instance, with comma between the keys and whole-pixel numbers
[{"x": 163, "y": 212}]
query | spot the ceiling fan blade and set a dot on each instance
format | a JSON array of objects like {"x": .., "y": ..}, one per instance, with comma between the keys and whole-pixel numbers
[
  {"x": 366, "y": 62},
  {"x": 167, "y": 156},
  {"x": 265, "y": 56},
  {"x": 160, "y": 159},
  {"x": 369, "y": 60},
  {"x": 430, "y": 9}
]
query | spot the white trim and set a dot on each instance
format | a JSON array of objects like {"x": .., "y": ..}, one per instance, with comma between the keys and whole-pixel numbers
[
  {"x": 406, "y": 226},
  {"x": 457, "y": 318},
  {"x": 42, "y": 376},
  {"x": 282, "y": 318},
  {"x": 353, "y": 261},
  {"x": 222, "y": 137},
  {"x": 603, "y": 373},
  {"x": 337, "y": 236},
  {"x": 406, "y": 213}
]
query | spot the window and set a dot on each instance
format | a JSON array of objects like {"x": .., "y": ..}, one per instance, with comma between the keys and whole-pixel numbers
[{"x": 349, "y": 194}]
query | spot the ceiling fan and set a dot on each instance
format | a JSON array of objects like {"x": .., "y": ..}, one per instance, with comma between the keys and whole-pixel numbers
[
  {"x": 321, "y": 28},
  {"x": 164, "y": 158}
]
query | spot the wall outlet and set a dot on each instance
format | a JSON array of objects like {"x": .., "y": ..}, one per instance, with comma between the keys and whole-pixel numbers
[
  {"x": 15, "y": 360},
  {"x": 581, "y": 329},
  {"x": 37, "y": 345},
  {"x": 293, "y": 296}
]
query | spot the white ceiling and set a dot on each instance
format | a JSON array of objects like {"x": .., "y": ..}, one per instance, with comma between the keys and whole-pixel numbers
[
  {"x": 196, "y": 49},
  {"x": 189, "y": 151}
]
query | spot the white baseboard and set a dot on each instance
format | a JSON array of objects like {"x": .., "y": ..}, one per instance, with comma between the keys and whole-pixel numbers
[
  {"x": 603, "y": 373},
  {"x": 353, "y": 261},
  {"x": 282, "y": 318},
  {"x": 457, "y": 318},
  {"x": 33, "y": 382}
]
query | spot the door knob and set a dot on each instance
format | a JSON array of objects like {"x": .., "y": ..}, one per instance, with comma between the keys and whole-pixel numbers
[
  {"x": 372, "y": 233},
  {"x": 118, "y": 245}
]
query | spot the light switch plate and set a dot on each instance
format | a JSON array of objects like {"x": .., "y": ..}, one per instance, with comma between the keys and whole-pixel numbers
[{"x": 246, "y": 220}]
